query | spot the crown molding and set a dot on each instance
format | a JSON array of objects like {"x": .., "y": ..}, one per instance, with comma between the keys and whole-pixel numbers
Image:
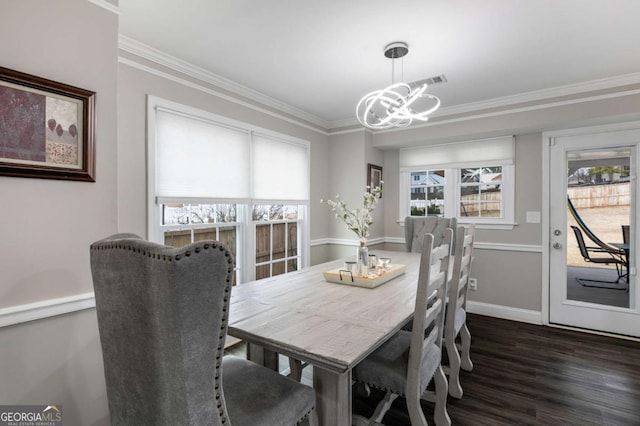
[
  {"x": 159, "y": 57},
  {"x": 516, "y": 110},
  {"x": 544, "y": 96},
  {"x": 106, "y": 5},
  {"x": 345, "y": 122},
  {"x": 187, "y": 83}
]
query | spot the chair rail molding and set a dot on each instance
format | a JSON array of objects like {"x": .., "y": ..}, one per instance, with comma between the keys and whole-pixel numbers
[
  {"x": 45, "y": 309},
  {"x": 528, "y": 248},
  {"x": 348, "y": 242}
]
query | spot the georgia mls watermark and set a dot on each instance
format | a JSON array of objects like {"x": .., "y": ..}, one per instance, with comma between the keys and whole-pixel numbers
[{"x": 30, "y": 415}]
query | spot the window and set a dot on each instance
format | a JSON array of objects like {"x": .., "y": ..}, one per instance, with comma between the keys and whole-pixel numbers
[
  {"x": 481, "y": 192},
  {"x": 472, "y": 181},
  {"x": 183, "y": 224},
  {"x": 214, "y": 178},
  {"x": 277, "y": 250},
  {"x": 427, "y": 193}
]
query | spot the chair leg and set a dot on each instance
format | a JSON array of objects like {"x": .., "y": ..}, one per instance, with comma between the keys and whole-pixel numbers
[
  {"x": 465, "y": 337},
  {"x": 455, "y": 388},
  {"x": 382, "y": 408},
  {"x": 415, "y": 410},
  {"x": 441, "y": 416}
]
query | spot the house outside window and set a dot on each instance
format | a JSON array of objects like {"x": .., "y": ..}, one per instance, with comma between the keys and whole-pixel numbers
[{"x": 427, "y": 193}]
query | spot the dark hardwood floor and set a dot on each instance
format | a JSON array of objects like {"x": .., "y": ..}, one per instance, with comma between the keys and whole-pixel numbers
[{"x": 534, "y": 375}]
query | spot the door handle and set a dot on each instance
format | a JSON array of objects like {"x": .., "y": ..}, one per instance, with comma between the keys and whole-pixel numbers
[{"x": 557, "y": 246}]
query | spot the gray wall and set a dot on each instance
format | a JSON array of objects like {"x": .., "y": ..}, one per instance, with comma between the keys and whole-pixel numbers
[
  {"x": 45, "y": 235},
  {"x": 135, "y": 85},
  {"x": 508, "y": 263},
  {"x": 519, "y": 284},
  {"x": 47, "y": 225}
]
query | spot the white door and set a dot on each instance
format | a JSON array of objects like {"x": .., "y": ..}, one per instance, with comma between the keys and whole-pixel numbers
[{"x": 595, "y": 169}]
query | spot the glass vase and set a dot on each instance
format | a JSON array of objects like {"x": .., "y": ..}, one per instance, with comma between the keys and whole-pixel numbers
[{"x": 362, "y": 258}]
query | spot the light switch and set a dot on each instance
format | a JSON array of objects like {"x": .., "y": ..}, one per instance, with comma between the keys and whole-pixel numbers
[{"x": 533, "y": 217}]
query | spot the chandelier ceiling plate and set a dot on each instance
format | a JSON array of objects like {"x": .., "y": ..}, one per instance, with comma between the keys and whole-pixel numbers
[{"x": 396, "y": 50}]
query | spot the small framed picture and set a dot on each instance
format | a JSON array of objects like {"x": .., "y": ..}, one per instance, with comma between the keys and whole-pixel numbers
[
  {"x": 374, "y": 176},
  {"x": 47, "y": 129}
]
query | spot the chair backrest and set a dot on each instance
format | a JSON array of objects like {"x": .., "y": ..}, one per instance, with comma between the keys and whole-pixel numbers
[
  {"x": 428, "y": 318},
  {"x": 625, "y": 234},
  {"x": 415, "y": 227},
  {"x": 162, "y": 315},
  {"x": 581, "y": 245},
  {"x": 459, "y": 281}
]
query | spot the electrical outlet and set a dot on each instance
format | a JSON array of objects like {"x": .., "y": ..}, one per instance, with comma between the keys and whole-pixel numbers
[{"x": 473, "y": 284}]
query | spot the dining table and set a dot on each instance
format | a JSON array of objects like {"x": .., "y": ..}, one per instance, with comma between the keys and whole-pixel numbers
[
  {"x": 625, "y": 247},
  {"x": 330, "y": 326}
]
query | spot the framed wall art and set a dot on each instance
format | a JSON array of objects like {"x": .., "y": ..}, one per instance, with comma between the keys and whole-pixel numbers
[
  {"x": 47, "y": 129},
  {"x": 374, "y": 176}
]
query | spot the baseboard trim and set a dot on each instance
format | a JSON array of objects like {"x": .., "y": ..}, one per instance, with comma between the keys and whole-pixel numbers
[
  {"x": 505, "y": 312},
  {"x": 45, "y": 309}
]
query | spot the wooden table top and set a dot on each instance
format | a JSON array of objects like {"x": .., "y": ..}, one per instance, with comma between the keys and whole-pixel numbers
[{"x": 331, "y": 326}]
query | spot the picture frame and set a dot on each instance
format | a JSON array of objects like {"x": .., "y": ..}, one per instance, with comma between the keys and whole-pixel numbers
[
  {"x": 47, "y": 128},
  {"x": 374, "y": 176}
]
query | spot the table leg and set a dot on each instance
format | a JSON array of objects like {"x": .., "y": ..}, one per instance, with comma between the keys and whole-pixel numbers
[
  {"x": 262, "y": 356},
  {"x": 333, "y": 397}
]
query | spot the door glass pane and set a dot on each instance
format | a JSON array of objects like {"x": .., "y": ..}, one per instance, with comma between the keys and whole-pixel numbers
[{"x": 599, "y": 211}]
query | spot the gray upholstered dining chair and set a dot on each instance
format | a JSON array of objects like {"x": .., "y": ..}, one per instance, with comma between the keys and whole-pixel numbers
[
  {"x": 415, "y": 227},
  {"x": 456, "y": 316},
  {"x": 162, "y": 316},
  {"x": 408, "y": 361}
]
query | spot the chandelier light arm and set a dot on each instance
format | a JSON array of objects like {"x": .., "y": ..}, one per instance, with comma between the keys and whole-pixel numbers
[{"x": 396, "y": 105}]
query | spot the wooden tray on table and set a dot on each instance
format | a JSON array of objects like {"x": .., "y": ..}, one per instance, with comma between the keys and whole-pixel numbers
[{"x": 341, "y": 276}]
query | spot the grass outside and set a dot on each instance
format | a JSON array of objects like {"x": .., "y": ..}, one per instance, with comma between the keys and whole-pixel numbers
[{"x": 605, "y": 222}]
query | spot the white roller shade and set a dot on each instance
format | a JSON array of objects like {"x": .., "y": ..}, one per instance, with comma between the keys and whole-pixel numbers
[
  {"x": 201, "y": 159},
  {"x": 280, "y": 170},
  {"x": 481, "y": 152}
]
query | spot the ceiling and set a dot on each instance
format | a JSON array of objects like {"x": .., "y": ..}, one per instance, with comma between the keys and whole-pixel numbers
[{"x": 321, "y": 57}]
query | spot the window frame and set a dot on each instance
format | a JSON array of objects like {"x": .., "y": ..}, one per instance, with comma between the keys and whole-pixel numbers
[
  {"x": 245, "y": 226},
  {"x": 452, "y": 194}
]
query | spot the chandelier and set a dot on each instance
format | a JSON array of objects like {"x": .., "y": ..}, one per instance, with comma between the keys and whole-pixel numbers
[{"x": 398, "y": 104}]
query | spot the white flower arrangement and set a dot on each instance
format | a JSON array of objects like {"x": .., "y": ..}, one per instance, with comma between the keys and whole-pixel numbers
[{"x": 357, "y": 220}]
